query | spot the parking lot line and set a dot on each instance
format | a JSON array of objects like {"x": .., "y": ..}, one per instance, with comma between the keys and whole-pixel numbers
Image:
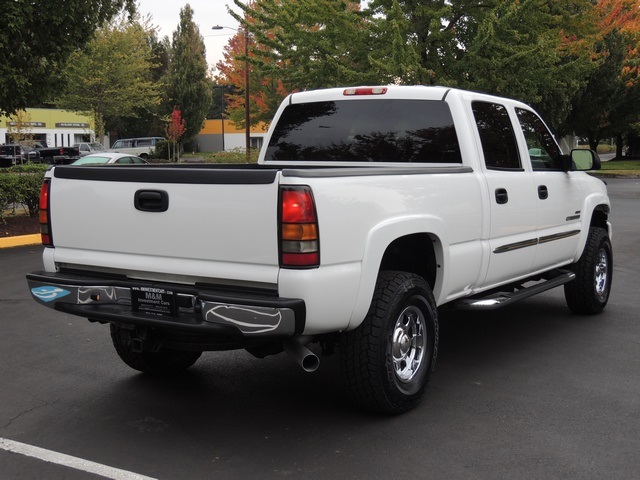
[{"x": 69, "y": 461}]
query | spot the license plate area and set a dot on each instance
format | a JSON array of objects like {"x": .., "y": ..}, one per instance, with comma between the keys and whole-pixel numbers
[{"x": 154, "y": 301}]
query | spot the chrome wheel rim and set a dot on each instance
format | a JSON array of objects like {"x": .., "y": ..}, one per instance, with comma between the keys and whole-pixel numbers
[
  {"x": 601, "y": 276},
  {"x": 408, "y": 344}
]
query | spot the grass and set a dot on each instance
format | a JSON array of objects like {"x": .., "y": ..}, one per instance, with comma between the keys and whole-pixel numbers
[{"x": 618, "y": 167}]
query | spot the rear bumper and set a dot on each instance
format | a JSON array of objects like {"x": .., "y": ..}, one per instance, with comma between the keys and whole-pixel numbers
[{"x": 172, "y": 307}]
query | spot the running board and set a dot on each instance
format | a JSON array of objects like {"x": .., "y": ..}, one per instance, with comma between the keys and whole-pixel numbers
[{"x": 500, "y": 299}]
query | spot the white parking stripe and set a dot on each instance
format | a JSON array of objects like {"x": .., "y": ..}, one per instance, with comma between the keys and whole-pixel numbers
[{"x": 69, "y": 461}]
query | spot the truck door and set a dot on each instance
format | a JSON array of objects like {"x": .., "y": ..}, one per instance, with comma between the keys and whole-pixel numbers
[
  {"x": 512, "y": 235},
  {"x": 559, "y": 194}
]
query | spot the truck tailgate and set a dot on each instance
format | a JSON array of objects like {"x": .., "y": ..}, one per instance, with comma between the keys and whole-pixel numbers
[{"x": 218, "y": 224}]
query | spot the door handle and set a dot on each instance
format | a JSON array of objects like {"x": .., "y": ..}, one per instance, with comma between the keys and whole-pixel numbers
[
  {"x": 543, "y": 192},
  {"x": 502, "y": 196},
  {"x": 151, "y": 200}
]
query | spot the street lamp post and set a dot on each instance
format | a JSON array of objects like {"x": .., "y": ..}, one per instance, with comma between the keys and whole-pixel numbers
[
  {"x": 221, "y": 87},
  {"x": 247, "y": 118}
]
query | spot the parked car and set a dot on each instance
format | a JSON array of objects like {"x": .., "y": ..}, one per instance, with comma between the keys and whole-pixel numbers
[
  {"x": 31, "y": 150},
  {"x": 142, "y": 147},
  {"x": 109, "y": 158},
  {"x": 12, "y": 154},
  {"x": 89, "y": 148},
  {"x": 40, "y": 152}
]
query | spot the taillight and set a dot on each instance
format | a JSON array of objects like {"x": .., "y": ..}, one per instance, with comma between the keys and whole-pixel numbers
[
  {"x": 299, "y": 239},
  {"x": 45, "y": 219},
  {"x": 365, "y": 91}
]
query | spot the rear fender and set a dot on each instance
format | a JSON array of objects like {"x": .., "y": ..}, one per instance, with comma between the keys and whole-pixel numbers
[{"x": 380, "y": 238}]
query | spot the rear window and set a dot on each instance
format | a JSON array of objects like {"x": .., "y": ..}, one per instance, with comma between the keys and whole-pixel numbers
[{"x": 409, "y": 131}]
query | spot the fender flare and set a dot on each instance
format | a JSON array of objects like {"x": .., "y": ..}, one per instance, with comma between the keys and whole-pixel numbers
[
  {"x": 377, "y": 242},
  {"x": 592, "y": 204}
]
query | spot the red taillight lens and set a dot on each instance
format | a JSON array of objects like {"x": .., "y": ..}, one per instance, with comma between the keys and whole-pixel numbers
[
  {"x": 43, "y": 214},
  {"x": 297, "y": 205},
  {"x": 299, "y": 239}
]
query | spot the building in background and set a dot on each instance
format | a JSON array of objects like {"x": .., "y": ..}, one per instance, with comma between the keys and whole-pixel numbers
[
  {"x": 212, "y": 139},
  {"x": 57, "y": 128}
]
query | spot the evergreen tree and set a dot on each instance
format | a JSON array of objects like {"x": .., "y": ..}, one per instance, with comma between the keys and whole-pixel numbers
[{"x": 188, "y": 85}]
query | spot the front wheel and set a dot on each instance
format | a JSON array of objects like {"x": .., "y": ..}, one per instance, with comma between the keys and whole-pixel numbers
[
  {"x": 387, "y": 361},
  {"x": 589, "y": 292},
  {"x": 163, "y": 362}
]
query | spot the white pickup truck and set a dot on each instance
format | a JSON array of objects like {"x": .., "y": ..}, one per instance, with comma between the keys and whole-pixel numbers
[{"x": 368, "y": 209}]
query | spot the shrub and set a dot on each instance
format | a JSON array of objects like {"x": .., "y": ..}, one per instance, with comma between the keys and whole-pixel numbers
[
  {"x": 8, "y": 193},
  {"x": 161, "y": 150},
  {"x": 20, "y": 185},
  {"x": 237, "y": 155}
]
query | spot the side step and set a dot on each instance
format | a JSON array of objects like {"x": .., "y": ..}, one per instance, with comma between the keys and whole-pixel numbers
[{"x": 499, "y": 299}]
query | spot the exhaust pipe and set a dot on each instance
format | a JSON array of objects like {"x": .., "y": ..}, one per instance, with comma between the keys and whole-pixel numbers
[{"x": 304, "y": 357}]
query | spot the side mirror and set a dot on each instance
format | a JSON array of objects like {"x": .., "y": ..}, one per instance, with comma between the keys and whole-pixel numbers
[{"x": 585, "y": 159}]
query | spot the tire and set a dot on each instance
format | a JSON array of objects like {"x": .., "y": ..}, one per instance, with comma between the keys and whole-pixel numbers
[
  {"x": 588, "y": 294},
  {"x": 387, "y": 361},
  {"x": 163, "y": 362}
]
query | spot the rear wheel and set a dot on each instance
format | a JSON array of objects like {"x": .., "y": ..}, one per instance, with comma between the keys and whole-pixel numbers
[
  {"x": 388, "y": 360},
  {"x": 165, "y": 361},
  {"x": 589, "y": 292}
]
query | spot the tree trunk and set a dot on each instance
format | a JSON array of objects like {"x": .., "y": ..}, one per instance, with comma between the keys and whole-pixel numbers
[{"x": 619, "y": 146}]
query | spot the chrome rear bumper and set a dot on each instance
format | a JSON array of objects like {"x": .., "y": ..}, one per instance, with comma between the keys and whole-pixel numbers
[{"x": 172, "y": 307}]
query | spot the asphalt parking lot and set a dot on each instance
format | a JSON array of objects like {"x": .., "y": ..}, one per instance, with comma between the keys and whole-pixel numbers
[{"x": 530, "y": 391}]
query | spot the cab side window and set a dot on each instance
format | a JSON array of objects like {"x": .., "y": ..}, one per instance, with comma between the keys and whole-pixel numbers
[
  {"x": 543, "y": 150},
  {"x": 498, "y": 140}
]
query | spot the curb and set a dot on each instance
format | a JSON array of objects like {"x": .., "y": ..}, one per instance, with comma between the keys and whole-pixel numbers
[{"x": 20, "y": 241}]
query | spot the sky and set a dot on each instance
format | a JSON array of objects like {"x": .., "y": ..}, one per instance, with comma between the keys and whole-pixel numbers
[{"x": 165, "y": 15}]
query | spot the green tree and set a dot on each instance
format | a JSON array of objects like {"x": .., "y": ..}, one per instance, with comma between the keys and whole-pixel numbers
[
  {"x": 111, "y": 76},
  {"x": 37, "y": 37},
  {"x": 189, "y": 88},
  {"x": 439, "y": 33},
  {"x": 149, "y": 120},
  {"x": 602, "y": 96},
  {"x": 396, "y": 56},
  {"x": 609, "y": 105},
  {"x": 521, "y": 51},
  {"x": 294, "y": 45}
]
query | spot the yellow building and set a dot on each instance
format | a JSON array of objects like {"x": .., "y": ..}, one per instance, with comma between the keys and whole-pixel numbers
[
  {"x": 56, "y": 128},
  {"x": 217, "y": 135}
]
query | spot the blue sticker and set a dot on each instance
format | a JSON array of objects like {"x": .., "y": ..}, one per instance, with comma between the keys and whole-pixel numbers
[{"x": 49, "y": 293}]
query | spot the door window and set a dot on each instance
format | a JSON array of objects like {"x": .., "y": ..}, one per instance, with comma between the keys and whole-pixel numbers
[
  {"x": 543, "y": 150},
  {"x": 496, "y": 135}
]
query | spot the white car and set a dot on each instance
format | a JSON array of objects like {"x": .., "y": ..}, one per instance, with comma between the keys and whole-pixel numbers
[
  {"x": 143, "y": 146},
  {"x": 89, "y": 148},
  {"x": 109, "y": 158}
]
